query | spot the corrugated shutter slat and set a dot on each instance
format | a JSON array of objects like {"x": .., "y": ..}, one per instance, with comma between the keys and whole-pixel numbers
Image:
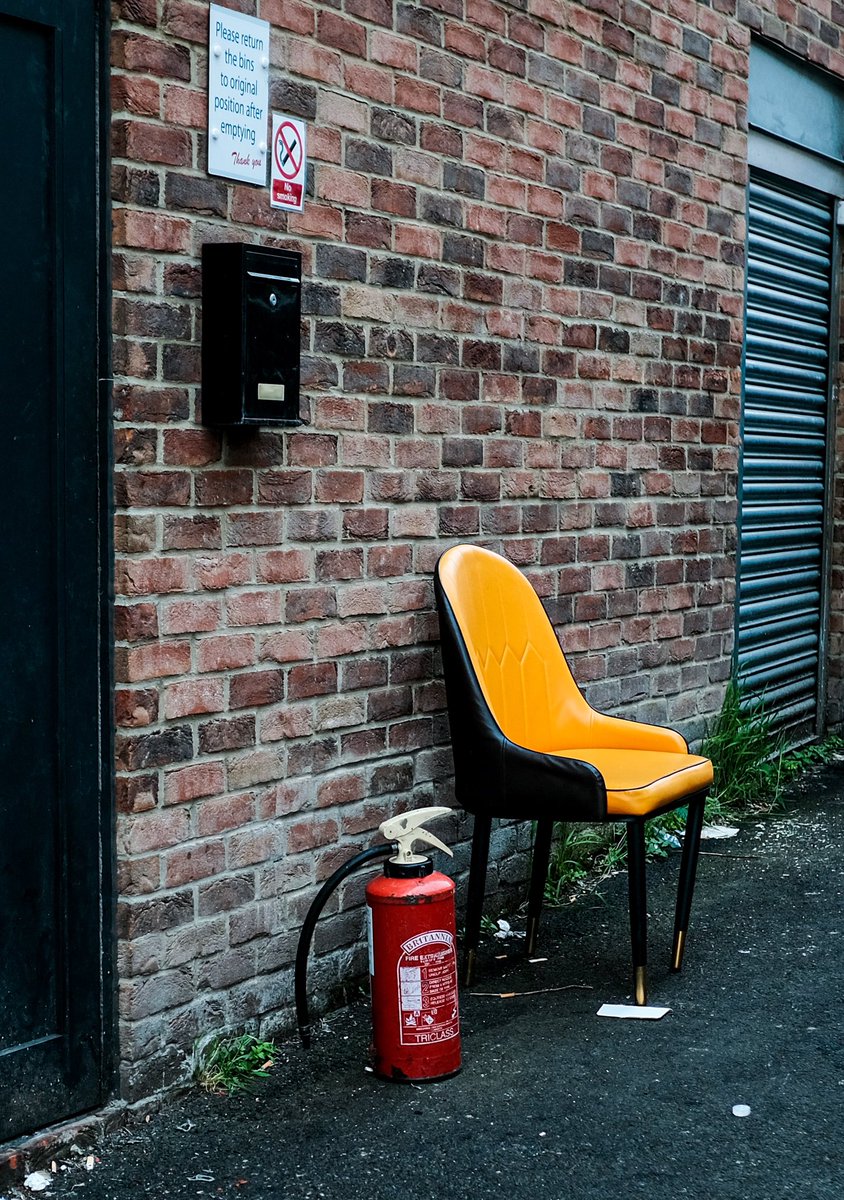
[{"x": 789, "y": 289}]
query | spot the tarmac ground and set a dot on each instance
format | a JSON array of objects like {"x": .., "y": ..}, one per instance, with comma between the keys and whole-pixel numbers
[{"x": 554, "y": 1101}]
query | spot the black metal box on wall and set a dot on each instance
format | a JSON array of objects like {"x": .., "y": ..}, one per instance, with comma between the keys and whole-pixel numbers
[{"x": 251, "y": 309}]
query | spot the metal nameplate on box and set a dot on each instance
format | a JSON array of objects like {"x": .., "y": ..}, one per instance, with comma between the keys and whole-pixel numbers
[{"x": 271, "y": 391}]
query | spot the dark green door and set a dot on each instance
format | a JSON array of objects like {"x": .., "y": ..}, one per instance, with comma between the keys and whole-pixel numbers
[{"x": 52, "y": 779}]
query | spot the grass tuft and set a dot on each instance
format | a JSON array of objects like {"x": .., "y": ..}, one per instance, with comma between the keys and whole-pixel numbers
[
  {"x": 752, "y": 763},
  {"x": 232, "y": 1063},
  {"x": 747, "y": 752}
]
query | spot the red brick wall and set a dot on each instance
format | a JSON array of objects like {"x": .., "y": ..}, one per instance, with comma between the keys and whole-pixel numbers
[{"x": 523, "y": 249}]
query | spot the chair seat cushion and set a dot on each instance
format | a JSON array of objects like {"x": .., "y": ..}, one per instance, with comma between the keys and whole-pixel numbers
[{"x": 642, "y": 781}]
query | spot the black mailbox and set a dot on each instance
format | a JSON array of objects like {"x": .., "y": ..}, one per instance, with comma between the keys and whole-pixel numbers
[{"x": 251, "y": 306}]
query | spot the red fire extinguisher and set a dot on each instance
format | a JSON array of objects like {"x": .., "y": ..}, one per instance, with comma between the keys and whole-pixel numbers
[
  {"x": 413, "y": 958},
  {"x": 412, "y": 955}
]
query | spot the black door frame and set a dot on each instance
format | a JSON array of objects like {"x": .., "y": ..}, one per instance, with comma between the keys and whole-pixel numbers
[
  {"x": 109, "y": 1021},
  {"x": 109, "y": 1045},
  {"x": 89, "y": 861}
]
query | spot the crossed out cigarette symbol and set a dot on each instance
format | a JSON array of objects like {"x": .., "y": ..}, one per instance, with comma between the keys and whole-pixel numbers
[{"x": 288, "y": 151}]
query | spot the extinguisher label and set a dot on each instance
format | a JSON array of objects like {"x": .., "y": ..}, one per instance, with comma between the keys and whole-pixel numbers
[{"x": 427, "y": 979}]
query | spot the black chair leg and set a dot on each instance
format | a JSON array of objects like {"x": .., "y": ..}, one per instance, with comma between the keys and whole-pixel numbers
[
  {"x": 638, "y": 907},
  {"x": 686, "y": 885},
  {"x": 538, "y": 875},
  {"x": 475, "y": 895}
]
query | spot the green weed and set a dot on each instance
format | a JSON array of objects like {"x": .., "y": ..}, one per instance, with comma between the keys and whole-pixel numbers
[
  {"x": 595, "y": 852},
  {"x": 752, "y": 763},
  {"x": 230, "y": 1063},
  {"x": 747, "y": 752},
  {"x": 580, "y": 852},
  {"x": 753, "y": 769}
]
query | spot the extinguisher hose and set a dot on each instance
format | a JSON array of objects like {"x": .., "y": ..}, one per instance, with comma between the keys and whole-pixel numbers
[{"x": 304, "y": 947}]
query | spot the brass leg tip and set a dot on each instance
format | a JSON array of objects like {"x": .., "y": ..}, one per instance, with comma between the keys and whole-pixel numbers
[
  {"x": 640, "y": 985},
  {"x": 679, "y": 947}
]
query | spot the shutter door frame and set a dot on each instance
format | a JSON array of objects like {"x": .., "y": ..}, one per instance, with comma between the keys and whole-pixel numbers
[{"x": 788, "y": 168}]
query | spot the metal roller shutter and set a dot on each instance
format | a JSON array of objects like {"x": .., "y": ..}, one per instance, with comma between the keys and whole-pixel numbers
[{"x": 783, "y": 500}]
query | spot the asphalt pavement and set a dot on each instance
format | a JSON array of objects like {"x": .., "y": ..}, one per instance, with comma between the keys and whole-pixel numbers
[{"x": 554, "y": 1101}]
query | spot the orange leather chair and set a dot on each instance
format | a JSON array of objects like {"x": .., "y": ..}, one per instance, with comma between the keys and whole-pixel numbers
[{"x": 528, "y": 746}]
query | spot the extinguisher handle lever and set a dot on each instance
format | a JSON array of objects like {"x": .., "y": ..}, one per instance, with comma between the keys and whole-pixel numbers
[
  {"x": 407, "y": 829},
  {"x": 429, "y": 839}
]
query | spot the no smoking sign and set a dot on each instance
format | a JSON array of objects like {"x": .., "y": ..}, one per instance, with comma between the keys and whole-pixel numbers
[{"x": 288, "y": 163}]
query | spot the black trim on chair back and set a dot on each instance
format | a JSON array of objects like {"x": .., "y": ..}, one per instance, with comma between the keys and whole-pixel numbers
[{"x": 494, "y": 776}]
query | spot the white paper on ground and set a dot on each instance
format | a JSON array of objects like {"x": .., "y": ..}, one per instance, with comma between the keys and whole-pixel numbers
[
  {"x": 718, "y": 831},
  {"x": 640, "y": 1012},
  {"x": 38, "y": 1181}
]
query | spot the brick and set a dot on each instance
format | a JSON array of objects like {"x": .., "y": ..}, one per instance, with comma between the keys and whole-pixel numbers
[
  {"x": 227, "y": 734},
  {"x": 138, "y": 793},
  {"x": 185, "y": 106},
  {"x": 255, "y": 688},
  {"x": 223, "y": 895},
  {"x": 192, "y": 194},
  {"x": 139, "y": 876},
  {"x": 158, "y": 660},
  {"x": 136, "y": 403},
  {"x": 261, "y": 766},
  {"x": 153, "y": 488},
  {"x": 137, "y": 52},
  {"x": 224, "y": 813},
  {"x": 156, "y": 749},
  {"x": 390, "y": 126},
  {"x": 138, "y": 96},
  {"x": 339, "y": 487},
  {"x": 190, "y": 783},
  {"x": 223, "y": 571},
  {"x": 348, "y": 36},
  {"x": 216, "y": 488},
  {"x": 285, "y": 647},
  {"x": 285, "y": 487},
  {"x": 135, "y": 622},
  {"x": 307, "y": 835},
  {"x": 150, "y": 142},
  {"x": 368, "y": 159},
  {"x": 307, "y": 604},
  {"x": 313, "y": 526},
  {"x": 135, "y": 707},
  {"x": 366, "y": 523},
  {"x": 143, "y": 318},
  {"x": 139, "y": 917},
  {"x": 254, "y": 529},
  {"x": 226, "y": 652},
  {"x": 311, "y": 679},
  {"x": 254, "y": 608},
  {"x": 283, "y": 566},
  {"x": 195, "y": 863},
  {"x": 192, "y": 697}
]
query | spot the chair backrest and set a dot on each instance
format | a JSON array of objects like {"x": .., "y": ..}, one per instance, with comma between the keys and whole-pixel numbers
[{"x": 516, "y": 657}]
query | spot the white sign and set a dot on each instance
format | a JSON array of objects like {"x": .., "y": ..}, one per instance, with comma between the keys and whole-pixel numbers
[
  {"x": 288, "y": 163},
  {"x": 238, "y": 95}
]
